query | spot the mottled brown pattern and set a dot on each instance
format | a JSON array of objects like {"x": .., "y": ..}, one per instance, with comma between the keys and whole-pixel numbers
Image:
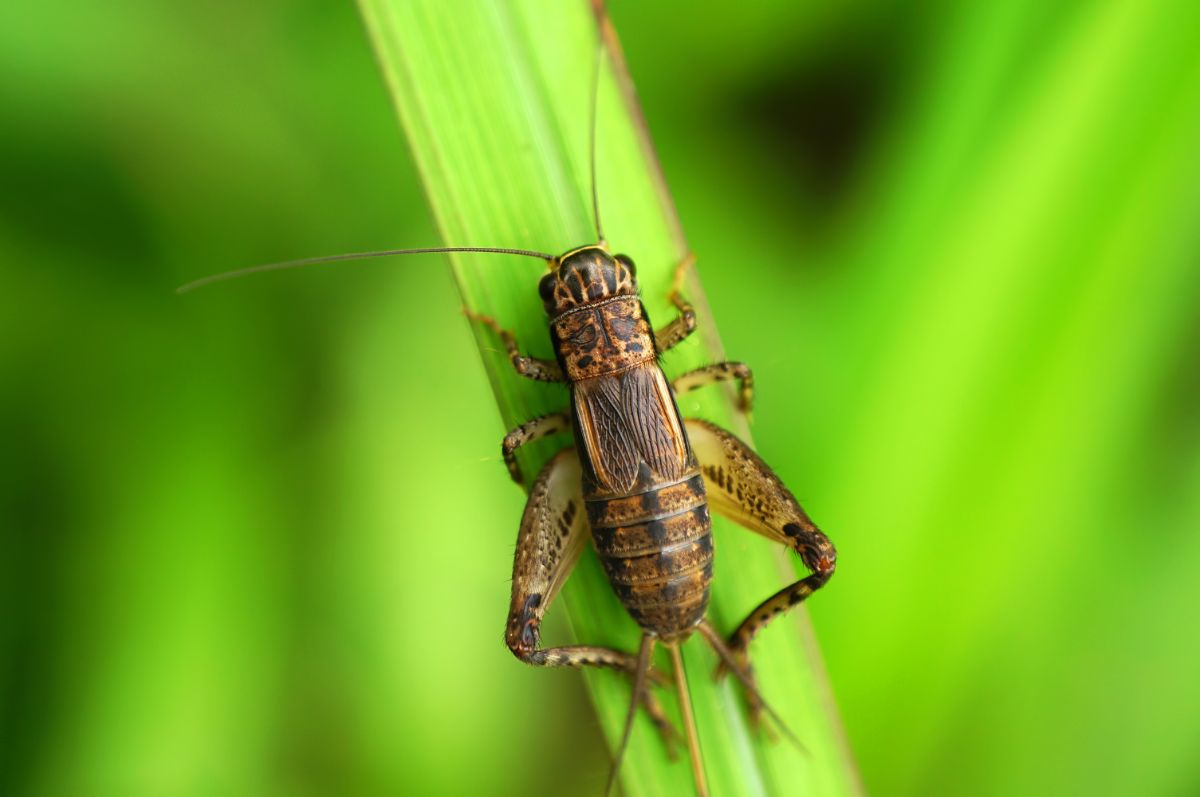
[
  {"x": 715, "y": 374},
  {"x": 666, "y": 531},
  {"x": 647, "y": 507},
  {"x": 607, "y": 337},
  {"x": 659, "y": 502},
  {"x": 742, "y": 487},
  {"x": 527, "y": 432},
  {"x": 635, "y": 480},
  {"x": 669, "y": 609},
  {"x": 656, "y": 548},
  {"x": 659, "y": 567},
  {"x": 686, "y": 590},
  {"x": 583, "y": 276},
  {"x": 553, "y": 532},
  {"x": 679, "y": 327},
  {"x": 670, "y": 499}
]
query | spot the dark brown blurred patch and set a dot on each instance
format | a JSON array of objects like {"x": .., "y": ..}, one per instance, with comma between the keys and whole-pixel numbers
[{"x": 819, "y": 116}]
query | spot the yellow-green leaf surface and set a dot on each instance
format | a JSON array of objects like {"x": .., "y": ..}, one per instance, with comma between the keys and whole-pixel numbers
[{"x": 494, "y": 100}]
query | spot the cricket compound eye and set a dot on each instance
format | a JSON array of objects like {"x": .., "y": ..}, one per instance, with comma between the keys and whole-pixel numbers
[
  {"x": 627, "y": 261},
  {"x": 546, "y": 287}
]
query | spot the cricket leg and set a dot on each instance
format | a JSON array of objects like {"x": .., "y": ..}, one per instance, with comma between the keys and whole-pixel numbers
[
  {"x": 716, "y": 373},
  {"x": 685, "y": 323},
  {"x": 553, "y": 533},
  {"x": 528, "y": 367},
  {"x": 542, "y": 426},
  {"x": 645, "y": 651},
  {"x": 740, "y": 667},
  {"x": 741, "y": 487}
]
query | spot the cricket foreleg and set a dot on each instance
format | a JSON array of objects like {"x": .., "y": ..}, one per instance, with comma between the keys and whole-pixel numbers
[
  {"x": 542, "y": 426},
  {"x": 528, "y": 367},
  {"x": 685, "y": 323},
  {"x": 716, "y": 373},
  {"x": 741, "y": 487},
  {"x": 553, "y": 532}
]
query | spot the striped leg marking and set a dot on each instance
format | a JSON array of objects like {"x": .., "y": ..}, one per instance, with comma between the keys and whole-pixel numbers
[
  {"x": 685, "y": 324},
  {"x": 542, "y": 426},
  {"x": 528, "y": 367},
  {"x": 741, "y": 487},
  {"x": 717, "y": 373}
]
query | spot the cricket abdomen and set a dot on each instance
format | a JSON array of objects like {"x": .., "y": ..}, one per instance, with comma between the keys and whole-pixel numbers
[{"x": 656, "y": 548}]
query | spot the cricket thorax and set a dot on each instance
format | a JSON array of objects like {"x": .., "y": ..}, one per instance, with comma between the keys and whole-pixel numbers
[{"x": 601, "y": 338}]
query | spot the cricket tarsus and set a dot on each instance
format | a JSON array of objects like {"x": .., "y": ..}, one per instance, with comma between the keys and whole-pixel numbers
[{"x": 312, "y": 261}]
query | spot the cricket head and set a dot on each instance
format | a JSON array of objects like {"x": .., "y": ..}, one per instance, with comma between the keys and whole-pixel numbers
[{"x": 586, "y": 275}]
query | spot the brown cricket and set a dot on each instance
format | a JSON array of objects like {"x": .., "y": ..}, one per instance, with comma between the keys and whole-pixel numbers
[{"x": 639, "y": 480}]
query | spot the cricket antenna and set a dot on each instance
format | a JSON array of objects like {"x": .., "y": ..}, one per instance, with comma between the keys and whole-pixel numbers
[
  {"x": 592, "y": 139},
  {"x": 639, "y": 686},
  {"x": 312, "y": 261}
]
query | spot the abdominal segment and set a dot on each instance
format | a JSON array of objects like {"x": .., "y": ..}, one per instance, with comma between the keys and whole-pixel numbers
[{"x": 656, "y": 548}]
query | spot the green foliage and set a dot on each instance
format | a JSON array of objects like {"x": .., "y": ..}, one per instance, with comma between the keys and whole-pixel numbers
[{"x": 257, "y": 540}]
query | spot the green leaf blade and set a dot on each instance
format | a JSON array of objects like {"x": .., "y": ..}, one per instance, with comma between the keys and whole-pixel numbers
[{"x": 493, "y": 99}]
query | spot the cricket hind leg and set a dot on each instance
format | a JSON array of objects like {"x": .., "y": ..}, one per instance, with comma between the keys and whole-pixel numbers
[
  {"x": 685, "y": 323},
  {"x": 580, "y": 656},
  {"x": 553, "y": 533},
  {"x": 741, "y": 669},
  {"x": 715, "y": 374},
  {"x": 640, "y": 674},
  {"x": 743, "y": 488},
  {"x": 529, "y": 367},
  {"x": 728, "y": 662}
]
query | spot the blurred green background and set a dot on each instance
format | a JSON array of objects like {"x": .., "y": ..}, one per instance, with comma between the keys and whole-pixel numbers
[{"x": 257, "y": 540}]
